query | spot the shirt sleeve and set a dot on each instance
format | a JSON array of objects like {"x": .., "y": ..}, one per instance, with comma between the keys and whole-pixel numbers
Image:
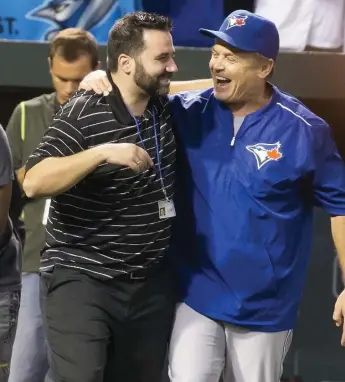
[
  {"x": 6, "y": 167},
  {"x": 63, "y": 138},
  {"x": 329, "y": 175},
  {"x": 13, "y": 132}
]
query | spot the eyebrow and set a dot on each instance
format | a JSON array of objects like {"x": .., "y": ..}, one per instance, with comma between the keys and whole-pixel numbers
[
  {"x": 227, "y": 54},
  {"x": 68, "y": 79},
  {"x": 163, "y": 55}
]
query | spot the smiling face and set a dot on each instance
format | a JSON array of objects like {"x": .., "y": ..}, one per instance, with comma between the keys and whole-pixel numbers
[
  {"x": 238, "y": 76},
  {"x": 155, "y": 66}
]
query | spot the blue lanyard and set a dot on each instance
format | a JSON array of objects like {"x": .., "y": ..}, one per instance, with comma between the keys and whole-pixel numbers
[{"x": 157, "y": 149}]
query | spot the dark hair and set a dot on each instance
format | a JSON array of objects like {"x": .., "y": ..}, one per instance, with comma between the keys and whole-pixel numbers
[
  {"x": 126, "y": 35},
  {"x": 71, "y": 43}
]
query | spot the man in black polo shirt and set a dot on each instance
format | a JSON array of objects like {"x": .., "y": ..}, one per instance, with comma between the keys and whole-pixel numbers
[{"x": 108, "y": 163}]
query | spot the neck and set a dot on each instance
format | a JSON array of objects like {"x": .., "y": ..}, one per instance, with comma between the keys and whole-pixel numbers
[
  {"x": 254, "y": 103},
  {"x": 135, "y": 99}
]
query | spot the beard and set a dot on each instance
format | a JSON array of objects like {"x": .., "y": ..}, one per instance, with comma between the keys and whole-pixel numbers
[{"x": 152, "y": 85}]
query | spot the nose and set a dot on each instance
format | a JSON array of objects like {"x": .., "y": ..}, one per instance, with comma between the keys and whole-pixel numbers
[
  {"x": 217, "y": 65},
  {"x": 71, "y": 88},
  {"x": 172, "y": 67}
]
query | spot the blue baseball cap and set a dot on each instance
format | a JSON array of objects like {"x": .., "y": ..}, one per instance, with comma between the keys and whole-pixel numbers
[{"x": 248, "y": 32}]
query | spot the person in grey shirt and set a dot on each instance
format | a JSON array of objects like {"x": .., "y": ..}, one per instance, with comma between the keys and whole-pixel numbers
[
  {"x": 10, "y": 254},
  {"x": 73, "y": 53}
]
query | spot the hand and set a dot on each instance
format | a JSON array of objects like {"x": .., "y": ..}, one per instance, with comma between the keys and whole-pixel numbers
[
  {"x": 127, "y": 154},
  {"x": 339, "y": 315},
  {"x": 96, "y": 81}
]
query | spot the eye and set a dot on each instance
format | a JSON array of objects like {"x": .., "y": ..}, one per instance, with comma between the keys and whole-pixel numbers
[
  {"x": 231, "y": 59},
  {"x": 166, "y": 58}
]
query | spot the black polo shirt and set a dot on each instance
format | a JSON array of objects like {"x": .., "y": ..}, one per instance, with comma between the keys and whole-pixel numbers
[{"x": 109, "y": 224}]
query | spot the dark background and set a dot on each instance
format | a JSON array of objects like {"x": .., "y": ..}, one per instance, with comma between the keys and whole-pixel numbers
[{"x": 318, "y": 80}]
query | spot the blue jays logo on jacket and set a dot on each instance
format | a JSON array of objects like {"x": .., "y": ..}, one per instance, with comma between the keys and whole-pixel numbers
[
  {"x": 84, "y": 14},
  {"x": 265, "y": 152}
]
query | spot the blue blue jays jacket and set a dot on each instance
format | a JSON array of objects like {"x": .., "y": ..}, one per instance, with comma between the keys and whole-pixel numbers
[{"x": 245, "y": 206}]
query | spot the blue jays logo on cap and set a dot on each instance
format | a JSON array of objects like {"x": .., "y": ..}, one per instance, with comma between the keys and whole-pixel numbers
[
  {"x": 236, "y": 21},
  {"x": 248, "y": 32},
  {"x": 265, "y": 152}
]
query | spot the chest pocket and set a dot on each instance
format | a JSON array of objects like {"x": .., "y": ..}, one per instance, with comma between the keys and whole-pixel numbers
[{"x": 266, "y": 170}]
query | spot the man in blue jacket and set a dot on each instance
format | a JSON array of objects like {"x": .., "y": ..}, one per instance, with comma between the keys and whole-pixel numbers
[{"x": 253, "y": 163}]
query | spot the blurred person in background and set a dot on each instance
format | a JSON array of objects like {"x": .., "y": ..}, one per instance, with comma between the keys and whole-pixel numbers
[
  {"x": 73, "y": 54},
  {"x": 10, "y": 253},
  {"x": 312, "y": 25}
]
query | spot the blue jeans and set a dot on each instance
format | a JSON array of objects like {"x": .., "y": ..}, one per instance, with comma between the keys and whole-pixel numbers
[{"x": 29, "y": 358}]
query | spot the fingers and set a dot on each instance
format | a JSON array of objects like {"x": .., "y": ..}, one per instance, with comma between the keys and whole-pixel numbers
[
  {"x": 148, "y": 159},
  {"x": 338, "y": 318},
  {"x": 96, "y": 84},
  {"x": 84, "y": 85},
  {"x": 337, "y": 314},
  {"x": 129, "y": 154},
  {"x": 134, "y": 166},
  {"x": 138, "y": 165},
  {"x": 105, "y": 85},
  {"x": 342, "y": 342},
  {"x": 144, "y": 156},
  {"x": 96, "y": 81},
  {"x": 142, "y": 160}
]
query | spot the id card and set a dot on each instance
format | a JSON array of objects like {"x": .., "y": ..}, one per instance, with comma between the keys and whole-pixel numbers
[
  {"x": 166, "y": 209},
  {"x": 46, "y": 212}
]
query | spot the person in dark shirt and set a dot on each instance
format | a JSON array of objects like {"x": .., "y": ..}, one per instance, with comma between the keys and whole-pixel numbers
[
  {"x": 108, "y": 163},
  {"x": 10, "y": 253}
]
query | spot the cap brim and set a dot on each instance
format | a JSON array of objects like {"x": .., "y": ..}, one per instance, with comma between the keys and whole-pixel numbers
[
  {"x": 217, "y": 34},
  {"x": 222, "y": 36}
]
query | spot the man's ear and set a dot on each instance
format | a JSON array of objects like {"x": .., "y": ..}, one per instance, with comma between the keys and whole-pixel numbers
[
  {"x": 266, "y": 68},
  {"x": 125, "y": 63}
]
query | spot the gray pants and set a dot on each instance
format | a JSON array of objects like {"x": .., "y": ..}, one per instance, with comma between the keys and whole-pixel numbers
[
  {"x": 204, "y": 350},
  {"x": 9, "y": 306}
]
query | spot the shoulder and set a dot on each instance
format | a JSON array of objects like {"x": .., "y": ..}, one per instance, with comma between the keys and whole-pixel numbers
[
  {"x": 304, "y": 125},
  {"x": 191, "y": 99},
  {"x": 296, "y": 113},
  {"x": 42, "y": 101},
  {"x": 82, "y": 105}
]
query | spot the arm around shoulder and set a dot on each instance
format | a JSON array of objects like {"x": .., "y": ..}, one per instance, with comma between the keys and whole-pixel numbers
[{"x": 180, "y": 86}]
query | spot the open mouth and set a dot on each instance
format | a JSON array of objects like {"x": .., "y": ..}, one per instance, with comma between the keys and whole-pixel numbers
[{"x": 222, "y": 81}]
